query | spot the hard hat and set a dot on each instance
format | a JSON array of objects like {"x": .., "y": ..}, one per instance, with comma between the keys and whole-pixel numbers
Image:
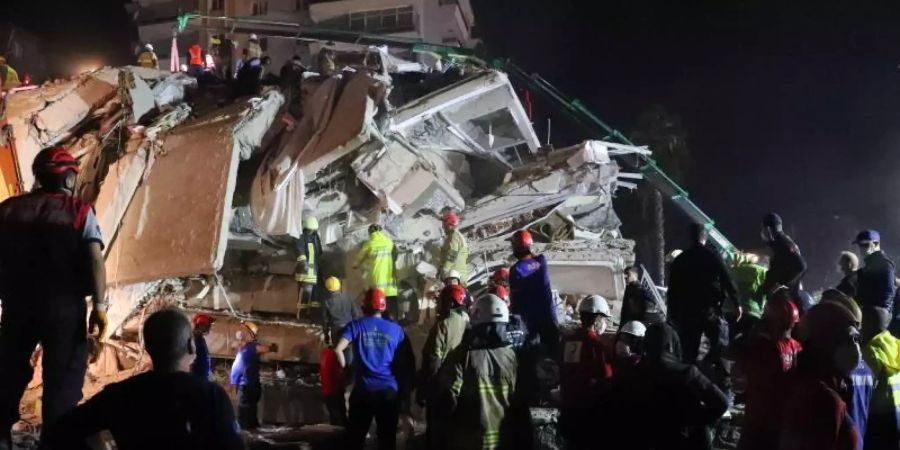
[
  {"x": 453, "y": 274},
  {"x": 54, "y": 160},
  {"x": 672, "y": 255},
  {"x": 454, "y": 293},
  {"x": 376, "y": 300},
  {"x": 451, "y": 219},
  {"x": 823, "y": 324},
  {"x": 310, "y": 223},
  {"x": 522, "y": 239},
  {"x": 254, "y": 37},
  {"x": 836, "y": 296},
  {"x": 500, "y": 275},
  {"x": 203, "y": 319},
  {"x": 214, "y": 40},
  {"x": 254, "y": 328},
  {"x": 148, "y": 46},
  {"x": 783, "y": 311},
  {"x": 490, "y": 309},
  {"x": 634, "y": 328},
  {"x": 333, "y": 284},
  {"x": 594, "y": 304},
  {"x": 502, "y": 292}
]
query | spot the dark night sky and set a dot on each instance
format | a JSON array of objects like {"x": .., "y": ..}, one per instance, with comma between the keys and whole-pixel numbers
[{"x": 791, "y": 106}]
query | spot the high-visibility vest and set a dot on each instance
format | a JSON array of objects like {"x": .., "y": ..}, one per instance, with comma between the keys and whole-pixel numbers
[
  {"x": 254, "y": 50},
  {"x": 310, "y": 276},
  {"x": 196, "y": 55},
  {"x": 378, "y": 251}
]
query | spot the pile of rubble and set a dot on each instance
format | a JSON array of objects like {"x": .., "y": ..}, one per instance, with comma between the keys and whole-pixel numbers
[{"x": 200, "y": 203}]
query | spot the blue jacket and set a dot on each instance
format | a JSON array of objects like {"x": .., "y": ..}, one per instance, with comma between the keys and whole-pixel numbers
[
  {"x": 530, "y": 292},
  {"x": 202, "y": 365},
  {"x": 875, "y": 282},
  {"x": 245, "y": 369}
]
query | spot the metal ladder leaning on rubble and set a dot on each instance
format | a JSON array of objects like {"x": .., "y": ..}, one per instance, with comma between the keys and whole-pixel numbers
[{"x": 573, "y": 107}]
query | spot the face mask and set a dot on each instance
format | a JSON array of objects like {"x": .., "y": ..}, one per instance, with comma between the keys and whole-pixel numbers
[
  {"x": 600, "y": 327},
  {"x": 622, "y": 349},
  {"x": 846, "y": 357}
]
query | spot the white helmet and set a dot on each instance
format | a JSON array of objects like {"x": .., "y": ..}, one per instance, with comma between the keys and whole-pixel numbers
[
  {"x": 594, "y": 304},
  {"x": 490, "y": 309},
  {"x": 148, "y": 46},
  {"x": 254, "y": 37},
  {"x": 634, "y": 328},
  {"x": 453, "y": 274}
]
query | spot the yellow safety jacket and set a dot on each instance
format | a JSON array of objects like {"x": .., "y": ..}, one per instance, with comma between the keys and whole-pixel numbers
[
  {"x": 9, "y": 78},
  {"x": 454, "y": 255},
  {"x": 378, "y": 254},
  {"x": 254, "y": 50},
  {"x": 148, "y": 60},
  {"x": 308, "y": 251}
]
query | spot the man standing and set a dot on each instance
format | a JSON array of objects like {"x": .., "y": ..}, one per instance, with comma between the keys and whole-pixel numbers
[
  {"x": 875, "y": 279},
  {"x": 309, "y": 252},
  {"x": 147, "y": 58},
  {"x": 455, "y": 251},
  {"x": 378, "y": 255},
  {"x": 338, "y": 310},
  {"x": 531, "y": 294},
  {"x": 376, "y": 392},
  {"x": 749, "y": 277},
  {"x": 639, "y": 303},
  {"x": 245, "y": 374},
  {"x": 51, "y": 257},
  {"x": 699, "y": 285},
  {"x": 9, "y": 78},
  {"x": 787, "y": 266},
  {"x": 202, "y": 365}
]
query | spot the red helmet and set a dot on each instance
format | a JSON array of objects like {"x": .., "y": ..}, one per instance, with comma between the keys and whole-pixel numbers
[
  {"x": 522, "y": 239},
  {"x": 502, "y": 292},
  {"x": 203, "y": 319},
  {"x": 376, "y": 300},
  {"x": 782, "y": 311},
  {"x": 54, "y": 160},
  {"x": 500, "y": 275},
  {"x": 454, "y": 293},
  {"x": 451, "y": 219}
]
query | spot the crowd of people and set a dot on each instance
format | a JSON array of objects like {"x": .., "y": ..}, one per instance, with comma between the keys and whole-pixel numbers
[{"x": 812, "y": 374}]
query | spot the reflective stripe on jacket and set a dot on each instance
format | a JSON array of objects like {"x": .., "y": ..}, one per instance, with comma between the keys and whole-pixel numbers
[
  {"x": 454, "y": 255},
  {"x": 148, "y": 60},
  {"x": 378, "y": 254}
]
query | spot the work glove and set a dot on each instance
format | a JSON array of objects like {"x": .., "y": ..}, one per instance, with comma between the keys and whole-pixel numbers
[{"x": 98, "y": 321}]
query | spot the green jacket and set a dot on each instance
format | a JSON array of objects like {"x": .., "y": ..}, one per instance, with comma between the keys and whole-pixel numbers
[
  {"x": 446, "y": 334},
  {"x": 455, "y": 255},
  {"x": 882, "y": 354},
  {"x": 378, "y": 254},
  {"x": 749, "y": 279},
  {"x": 478, "y": 385}
]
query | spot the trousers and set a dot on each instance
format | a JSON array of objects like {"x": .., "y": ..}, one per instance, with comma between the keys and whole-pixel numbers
[
  {"x": 384, "y": 407},
  {"x": 248, "y": 405},
  {"x": 59, "y": 326}
]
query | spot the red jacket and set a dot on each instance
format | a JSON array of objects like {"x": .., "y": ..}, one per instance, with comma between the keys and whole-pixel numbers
[
  {"x": 586, "y": 370},
  {"x": 816, "y": 418},
  {"x": 330, "y": 372},
  {"x": 767, "y": 364}
]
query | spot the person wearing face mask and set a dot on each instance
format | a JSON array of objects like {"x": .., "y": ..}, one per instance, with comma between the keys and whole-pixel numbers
[
  {"x": 245, "y": 374},
  {"x": 816, "y": 415},
  {"x": 875, "y": 279},
  {"x": 882, "y": 353},
  {"x": 628, "y": 348},
  {"x": 769, "y": 358},
  {"x": 167, "y": 407},
  {"x": 586, "y": 372},
  {"x": 786, "y": 266}
]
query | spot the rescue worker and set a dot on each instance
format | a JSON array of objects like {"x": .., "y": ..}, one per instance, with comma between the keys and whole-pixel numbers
[
  {"x": 455, "y": 251},
  {"x": 376, "y": 392},
  {"x": 51, "y": 254},
  {"x": 771, "y": 356},
  {"x": 215, "y": 48},
  {"x": 875, "y": 279},
  {"x": 500, "y": 277},
  {"x": 882, "y": 353},
  {"x": 254, "y": 50},
  {"x": 699, "y": 285},
  {"x": 309, "y": 254},
  {"x": 516, "y": 332},
  {"x": 749, "y": 276},
  {"x": 378, "y": 255},
  {"x": 638, "y": 302},
  {"x": 628, "y": 348},
  {"x": 446, "y": 334},
  {"x": 848, "y": 264},
  {"x": 531, "y": 295},
  {"x": 165, "y": 408},
  {"x": 9, "y": 78},
  {"x": 333, "y": 387},
  {"x": 147, "y": 58},
  {"x": 585, "y": 375},
  {"x": 245, "y": 374},
  {"x": 786, "y": 266},
  {"x": 225, "y": 59},
  {"x": 202, "y": 365},
  {"x": 196, "y": 60},
  {"x": 477, "y": 381},
  {"x": 815, "y": 414},
  {"x": 339, "y": 310}
]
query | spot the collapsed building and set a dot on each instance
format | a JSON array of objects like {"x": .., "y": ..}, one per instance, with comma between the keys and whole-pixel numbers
[{"x": 200, "y": 199}]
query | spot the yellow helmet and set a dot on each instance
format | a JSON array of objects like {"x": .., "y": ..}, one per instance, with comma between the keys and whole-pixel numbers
[
  {"x": 310, "y": 223},
  {"x": 332, "y": 284},
  {"x": 254, "y": 328},
  {"x": 214, "y": 40}
]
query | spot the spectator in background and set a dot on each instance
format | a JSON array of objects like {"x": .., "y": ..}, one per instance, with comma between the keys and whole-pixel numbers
[
  {"x": 876, "y": 277},
  {"x": 848, "y": 263}
]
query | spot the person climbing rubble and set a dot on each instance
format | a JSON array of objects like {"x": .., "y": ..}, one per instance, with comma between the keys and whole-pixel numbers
[
  {"x": 446, "y": 334},
  {"x": 202, "y": 365},
  {"x": 309, "y": 255},
  {"x": 51, "y": 252},
  {"x": 477, "y": 382},
  {"x": 585, "y": 374},
  {"x": 167, "y": 407},
  {"x": 377, "y": 257},
  {"x": 9, "y": 78},
  {"x": 147, "y": 58},
  {"x": 531, "y": 295},
  {"x": 378, "y": 346},
  {"x": 786, "y": 266},
  {"x": 749, "y": 276},
  {"x": 245, "y": 374},
  {"x": 455, "y": 250}
]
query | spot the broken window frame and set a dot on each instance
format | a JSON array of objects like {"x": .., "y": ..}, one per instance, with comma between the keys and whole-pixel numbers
[{"x": 374, "y": 21}]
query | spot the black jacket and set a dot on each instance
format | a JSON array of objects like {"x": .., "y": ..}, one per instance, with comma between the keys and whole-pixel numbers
[
  {"x": 698, "y": 280},
  {"x": 787, "y": 265},
  {"x": 848, "y": 285},
  {"x": 875, "y": 282},
  {"x": 640, "y": 304}
]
